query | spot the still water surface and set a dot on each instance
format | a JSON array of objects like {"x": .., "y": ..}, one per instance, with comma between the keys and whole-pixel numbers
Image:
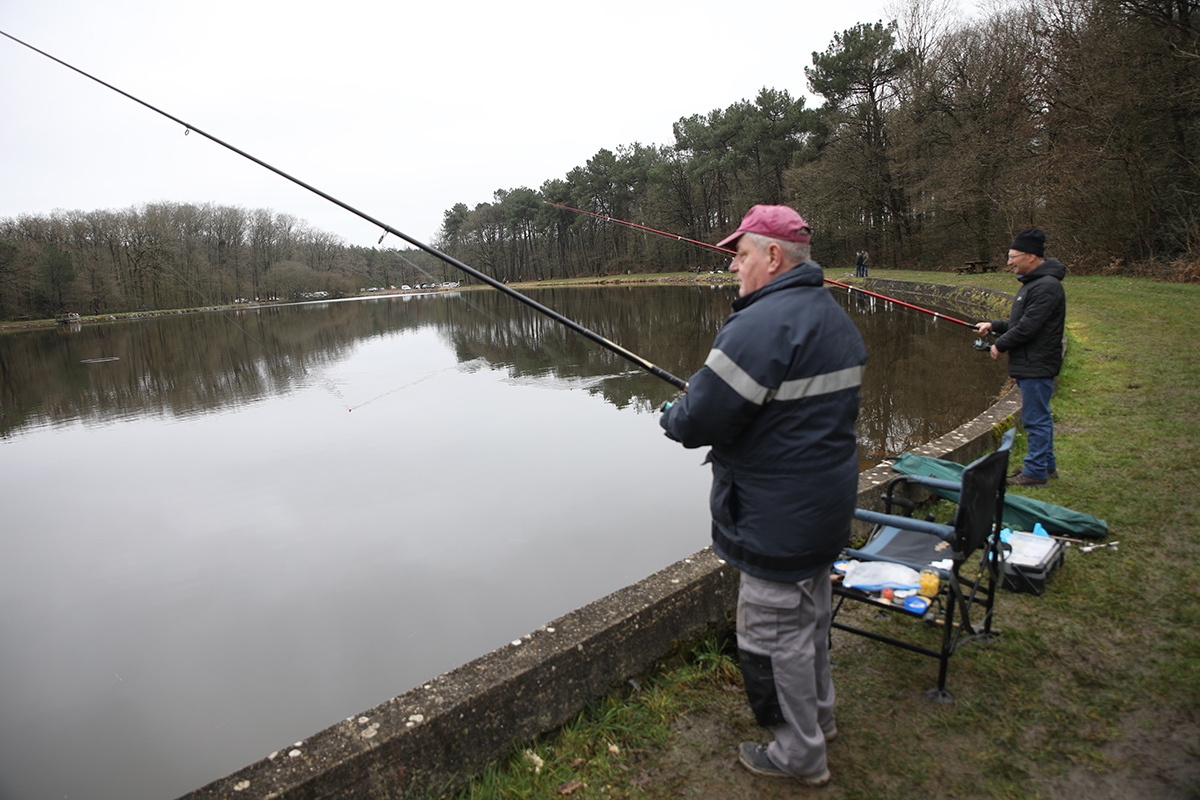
[{"x": 224, "y": 532}]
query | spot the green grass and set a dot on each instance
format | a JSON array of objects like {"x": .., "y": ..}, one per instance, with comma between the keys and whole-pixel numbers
[
  {"x": 1112, "y": 647},
  {"x": 598, "y": 753}
]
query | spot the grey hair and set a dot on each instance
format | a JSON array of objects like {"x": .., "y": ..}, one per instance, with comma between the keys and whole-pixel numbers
[{"x": 794, "y": 252}]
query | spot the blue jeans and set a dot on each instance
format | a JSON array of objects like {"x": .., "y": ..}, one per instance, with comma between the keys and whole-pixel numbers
[{"x": 1039, "y": 426}]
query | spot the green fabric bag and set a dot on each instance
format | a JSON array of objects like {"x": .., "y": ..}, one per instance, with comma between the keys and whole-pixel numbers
[{"x": 1020, "y": 513}]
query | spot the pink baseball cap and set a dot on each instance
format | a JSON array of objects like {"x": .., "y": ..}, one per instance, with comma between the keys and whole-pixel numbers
[{"x": 775, "y": 222}]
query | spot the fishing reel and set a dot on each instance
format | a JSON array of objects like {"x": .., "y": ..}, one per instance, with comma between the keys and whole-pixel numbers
[{"x": 982, "y": 345}]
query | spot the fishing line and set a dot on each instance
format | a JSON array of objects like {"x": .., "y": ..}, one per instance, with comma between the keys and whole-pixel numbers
[
  {"x": 424, "y": 377},
  {"x": 679, "y": 383},
  {"x": 408, "y": 385},
  {"x": 542, "y": 345}
]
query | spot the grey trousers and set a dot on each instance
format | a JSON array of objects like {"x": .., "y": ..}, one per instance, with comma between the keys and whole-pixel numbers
[{"x": 788, "y": 623}]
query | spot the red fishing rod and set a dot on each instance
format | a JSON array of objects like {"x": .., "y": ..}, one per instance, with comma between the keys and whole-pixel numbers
[
  {"x": 884, "y": 297},
  {"x": 641, "y": 227},
  {"x": 658, "y": 372}
]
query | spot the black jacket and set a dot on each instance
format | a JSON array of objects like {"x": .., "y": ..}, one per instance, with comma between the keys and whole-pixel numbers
[
  {"x": 1032, "y": 337},
  {"x": 777, "y": 400}
]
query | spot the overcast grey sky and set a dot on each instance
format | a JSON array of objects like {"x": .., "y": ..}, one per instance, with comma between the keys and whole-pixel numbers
[{"x": 400, "y": 109}]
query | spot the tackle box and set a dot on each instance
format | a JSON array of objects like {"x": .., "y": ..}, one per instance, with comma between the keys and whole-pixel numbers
[{"x": 1029, "y": 564}]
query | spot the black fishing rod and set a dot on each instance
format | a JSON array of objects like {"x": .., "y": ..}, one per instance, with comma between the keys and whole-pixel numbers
[{"x": 657, "y": 371}]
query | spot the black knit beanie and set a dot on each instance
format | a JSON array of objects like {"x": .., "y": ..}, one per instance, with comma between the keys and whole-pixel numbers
[{"x": 1030, "y": 240}]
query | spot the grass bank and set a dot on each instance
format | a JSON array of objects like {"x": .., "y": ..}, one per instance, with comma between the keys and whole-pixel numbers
[{"x": 1093, "y": 689}]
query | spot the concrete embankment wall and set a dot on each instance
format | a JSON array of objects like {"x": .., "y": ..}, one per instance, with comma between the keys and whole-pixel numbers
[
  {"x": 972, "y": 303},
  {"x": 437, "y": 734}
]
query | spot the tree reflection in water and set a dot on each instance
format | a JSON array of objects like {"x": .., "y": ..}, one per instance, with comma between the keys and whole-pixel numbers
[{"x": 923, "y": 378}]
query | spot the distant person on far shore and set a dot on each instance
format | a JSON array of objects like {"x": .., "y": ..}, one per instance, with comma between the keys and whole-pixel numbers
[{"x": 860, "y": 263}]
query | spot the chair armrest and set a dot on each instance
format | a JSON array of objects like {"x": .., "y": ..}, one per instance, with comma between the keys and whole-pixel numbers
[
  {"x": 943, "y": 532},
  {"x": 936, "y": 483}
]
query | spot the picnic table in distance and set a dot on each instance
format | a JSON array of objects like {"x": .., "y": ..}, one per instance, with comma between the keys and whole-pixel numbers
[{"x": 976, "y": 266}]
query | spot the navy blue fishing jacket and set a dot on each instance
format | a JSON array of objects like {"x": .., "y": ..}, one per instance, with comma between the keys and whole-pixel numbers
[
  {"x": 1033, "y": 334},
  {"x": 777, "y": 400}
]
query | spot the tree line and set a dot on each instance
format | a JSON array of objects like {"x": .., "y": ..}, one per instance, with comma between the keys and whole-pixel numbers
[
  {"x": 177, "y": 255},
  {"x": 938, "y": 138}
]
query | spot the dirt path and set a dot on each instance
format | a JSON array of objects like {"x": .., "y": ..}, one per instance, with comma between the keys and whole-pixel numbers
[{"x": 1159, "y": 758}]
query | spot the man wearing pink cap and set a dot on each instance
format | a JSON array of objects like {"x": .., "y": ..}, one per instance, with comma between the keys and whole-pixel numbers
[{"x": 777, "y": 400}]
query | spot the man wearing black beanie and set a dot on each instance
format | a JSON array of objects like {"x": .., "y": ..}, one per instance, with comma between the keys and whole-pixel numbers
[{"x": 1032, "y": 337}]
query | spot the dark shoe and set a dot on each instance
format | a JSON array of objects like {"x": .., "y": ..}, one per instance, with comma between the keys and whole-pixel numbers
[
  {"x": 754, "y": 758},
  {"x": 1022, "y": 479},
  {"x": 1017, "y": 471}
]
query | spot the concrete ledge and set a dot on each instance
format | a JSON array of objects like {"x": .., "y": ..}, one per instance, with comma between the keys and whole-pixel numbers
[
  {"x": 436, "y": 735},
  {"x": 983, "y": 303}
]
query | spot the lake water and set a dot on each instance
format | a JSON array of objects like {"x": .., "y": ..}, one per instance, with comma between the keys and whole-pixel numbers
[{"x": 224, "y": 532}]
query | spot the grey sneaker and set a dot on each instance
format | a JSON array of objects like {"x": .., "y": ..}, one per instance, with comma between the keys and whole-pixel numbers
[
  {"x": 753, "y": 756},
  {"x": 815, "y": 780},
  {"x": 830, "y": 734}
]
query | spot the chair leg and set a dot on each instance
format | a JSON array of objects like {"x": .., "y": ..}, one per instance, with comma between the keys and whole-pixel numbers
[
  {"x": 989, "y": 572},
  {"x": 987, "y": 635},
  {"x": 939, "y": 696},
  {"x": 939, "y": 693},
  {"x": 993, "y": 577}
]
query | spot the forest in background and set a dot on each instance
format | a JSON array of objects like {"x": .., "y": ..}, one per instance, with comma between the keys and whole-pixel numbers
[{"x": 937, "y": 139}]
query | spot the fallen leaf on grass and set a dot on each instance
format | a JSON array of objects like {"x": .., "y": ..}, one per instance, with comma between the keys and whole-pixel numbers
[{"x": 569, "y": 787}]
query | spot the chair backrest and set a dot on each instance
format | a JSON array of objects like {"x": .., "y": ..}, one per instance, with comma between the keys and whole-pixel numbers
[{"x": 981, "y": 501}]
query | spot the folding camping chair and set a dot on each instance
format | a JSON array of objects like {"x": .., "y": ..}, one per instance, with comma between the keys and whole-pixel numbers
[{"x": 918, "y": 544}]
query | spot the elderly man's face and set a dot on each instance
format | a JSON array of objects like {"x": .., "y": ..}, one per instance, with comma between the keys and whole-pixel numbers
[
  {"x": 1022, "y": 263},
  {"x": 753, "y": 265}
]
